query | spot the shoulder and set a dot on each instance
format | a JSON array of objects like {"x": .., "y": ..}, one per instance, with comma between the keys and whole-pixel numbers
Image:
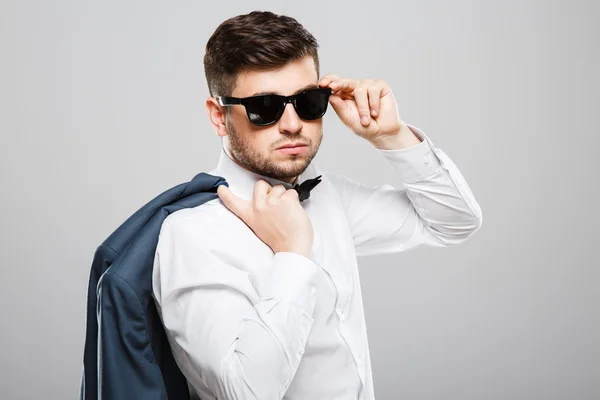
[{"x": 208, "y": 218}]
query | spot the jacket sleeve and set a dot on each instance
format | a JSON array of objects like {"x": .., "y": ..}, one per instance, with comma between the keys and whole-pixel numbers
[
  {"x": 126, "y": 366},
  {"x": 429, "y": 203},
  {"x": 243, "y": 339}
]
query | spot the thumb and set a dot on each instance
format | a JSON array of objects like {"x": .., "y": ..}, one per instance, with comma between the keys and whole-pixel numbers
[
  {"x": 341, "y": 109},
  {"x": 238, "y": 206}
]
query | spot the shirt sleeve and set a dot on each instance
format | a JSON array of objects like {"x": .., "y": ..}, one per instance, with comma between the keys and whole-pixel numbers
[
  {"x": 244, "y": 335},
  {"x": 429, "y": 203}
]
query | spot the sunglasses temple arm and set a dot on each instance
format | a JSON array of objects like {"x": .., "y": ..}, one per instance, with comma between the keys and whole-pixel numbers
[{"x": 229, "y": 101}]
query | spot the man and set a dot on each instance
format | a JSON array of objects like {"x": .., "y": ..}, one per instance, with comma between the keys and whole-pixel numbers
[{"x": 259, "y": 291}]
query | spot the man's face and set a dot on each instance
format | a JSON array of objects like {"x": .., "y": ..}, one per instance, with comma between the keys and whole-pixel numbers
[{"x": 255, "y": 147}]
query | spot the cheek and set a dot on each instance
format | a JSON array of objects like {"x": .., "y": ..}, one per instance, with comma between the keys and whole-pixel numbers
[
  {"x": 255, "y": 139},
  {"x": 238, "y": 115},
  {"x": 315, "y": 130},
  {"x": 242, "y": 127}
]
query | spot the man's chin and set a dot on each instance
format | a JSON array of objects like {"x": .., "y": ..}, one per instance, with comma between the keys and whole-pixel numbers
[{"x": 288, "y": 173}]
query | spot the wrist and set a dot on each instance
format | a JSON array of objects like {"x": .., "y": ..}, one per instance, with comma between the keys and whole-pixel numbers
[{"x": 402, "y": 139}]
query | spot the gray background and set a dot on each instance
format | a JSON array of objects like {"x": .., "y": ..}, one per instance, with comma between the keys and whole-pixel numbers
[{"x": 102, "y": 108}]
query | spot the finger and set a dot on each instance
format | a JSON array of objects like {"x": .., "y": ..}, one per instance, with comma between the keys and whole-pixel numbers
[
  {"x": 341, "y": 109},
  {"x": 238, "y": 206},
  {"x": 276, "y": 192},
  {"x": 344, "y": 85},
  {"x": 261, "y": 192},
  {"x": 361, "y": 98},
  {"x": 325, "y": 80},
  {"x": 374, "y": 93},
  {"x": 293, "y": 193}
]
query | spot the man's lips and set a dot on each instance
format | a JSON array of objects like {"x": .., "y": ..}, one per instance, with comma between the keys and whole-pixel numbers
[
  {"x": 285, "y": 146},
  {"x": 291, "y": 149}
]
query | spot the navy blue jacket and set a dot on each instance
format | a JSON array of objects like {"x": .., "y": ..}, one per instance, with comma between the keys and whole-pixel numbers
[{"x": 126, "y": 353}]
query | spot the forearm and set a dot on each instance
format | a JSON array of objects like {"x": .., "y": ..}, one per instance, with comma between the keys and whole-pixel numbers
[
  {"x": 436, "y": 189},
  {"x": 428, "y": 201}
]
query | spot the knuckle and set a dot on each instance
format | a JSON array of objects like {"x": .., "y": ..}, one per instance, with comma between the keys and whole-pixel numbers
[
  {"x": 291, "y": 193},
  {"x": 259, "y": 207},
  {"x": 271, "y": 200}
]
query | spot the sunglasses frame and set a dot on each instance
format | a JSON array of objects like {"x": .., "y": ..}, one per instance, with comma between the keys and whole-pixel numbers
[{"x": 232, "y": 101}]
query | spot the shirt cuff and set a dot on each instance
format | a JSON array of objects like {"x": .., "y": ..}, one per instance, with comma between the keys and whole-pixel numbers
[
  {"x": 291, "y": 276},
  {"x": 414, "y": 163}
]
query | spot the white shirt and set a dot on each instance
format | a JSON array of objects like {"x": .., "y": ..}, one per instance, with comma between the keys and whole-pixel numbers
[{"x": 245, "y": 323}]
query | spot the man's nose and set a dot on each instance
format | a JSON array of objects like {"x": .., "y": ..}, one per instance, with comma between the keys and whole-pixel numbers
[{"x": 290, "y": 121}]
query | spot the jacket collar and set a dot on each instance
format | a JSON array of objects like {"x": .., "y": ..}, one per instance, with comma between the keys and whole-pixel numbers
[{"x": 241, "y": 181}]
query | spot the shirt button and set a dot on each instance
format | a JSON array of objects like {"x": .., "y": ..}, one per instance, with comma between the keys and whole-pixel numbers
[
  {"x": 313, "y": 290},
  {"x": 426, "y": 159},
  {"x": 360, "y": 359}
]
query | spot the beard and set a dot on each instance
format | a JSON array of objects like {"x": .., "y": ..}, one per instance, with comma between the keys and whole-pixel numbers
[{"x": 253, "y": 160}]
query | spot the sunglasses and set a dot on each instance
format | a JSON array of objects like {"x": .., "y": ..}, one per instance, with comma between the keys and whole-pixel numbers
[{"x": 266, "y": 109}]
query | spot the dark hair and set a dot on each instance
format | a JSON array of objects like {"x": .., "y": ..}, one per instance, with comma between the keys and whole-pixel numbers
[{"x": 260, "y": 40}]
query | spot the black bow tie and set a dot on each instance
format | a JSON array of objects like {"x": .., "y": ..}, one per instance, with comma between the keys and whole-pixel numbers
[{"x": 305, "y": 187}]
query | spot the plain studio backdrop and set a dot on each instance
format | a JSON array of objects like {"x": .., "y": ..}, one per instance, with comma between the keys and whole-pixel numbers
[{"x": 102, "y": 108}]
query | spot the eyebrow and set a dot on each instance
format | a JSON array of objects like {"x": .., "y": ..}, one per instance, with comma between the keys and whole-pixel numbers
[{"x": 311, "y": 86}]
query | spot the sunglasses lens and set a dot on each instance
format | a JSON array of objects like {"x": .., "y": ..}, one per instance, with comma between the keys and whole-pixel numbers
[
  {"x": 267, "y": 109},
  {"x": 263, "y": 110},
  {"x": 312, "y": 104}
]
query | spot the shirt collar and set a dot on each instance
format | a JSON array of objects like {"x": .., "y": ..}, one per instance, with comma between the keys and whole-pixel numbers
[{"x": 241, "y": 181}]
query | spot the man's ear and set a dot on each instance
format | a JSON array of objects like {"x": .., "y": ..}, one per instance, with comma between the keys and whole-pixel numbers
[{"x": 216, "y": 116}]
